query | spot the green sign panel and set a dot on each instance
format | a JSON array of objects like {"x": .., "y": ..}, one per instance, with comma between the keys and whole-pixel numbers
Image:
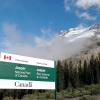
[{"x": 16, "y": 71}]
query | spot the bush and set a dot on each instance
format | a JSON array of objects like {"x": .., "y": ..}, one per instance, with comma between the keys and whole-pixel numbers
[
  {"x": 88, "y": 97},
  {"x": 8, "y": 98},
  {"x": 49, "y": 95},
  {"x": 29, "y": 96}
]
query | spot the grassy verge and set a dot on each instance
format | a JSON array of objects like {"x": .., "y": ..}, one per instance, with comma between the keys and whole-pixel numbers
[{"x": 84, "y": 92}]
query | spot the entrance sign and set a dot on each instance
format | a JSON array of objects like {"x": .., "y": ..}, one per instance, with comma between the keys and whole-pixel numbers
[{"x": 20, "y": 72}]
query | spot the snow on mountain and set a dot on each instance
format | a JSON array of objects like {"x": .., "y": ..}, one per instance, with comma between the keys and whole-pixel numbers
[{"x": 74, "y": 34}]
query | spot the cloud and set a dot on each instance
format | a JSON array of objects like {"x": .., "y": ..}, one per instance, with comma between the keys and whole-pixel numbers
[
  {"x": 67, "y": 5},
  {"x": 75, "y": 6},
  {"x": 15, "y": 41},
  {"x": 11, "y": 32},
  {"x": 47, "y": 32},
  {"x": 85, "y": 4},
  {"x": 85, "y": 15}
]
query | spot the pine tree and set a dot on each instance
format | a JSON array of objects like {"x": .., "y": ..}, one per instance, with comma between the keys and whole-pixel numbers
[
  {"x": 60, "y": 76},
  {"x": 72, "y": 75},
  {"x": 66, "y": 75},
  {"x": 91, "y": 65},
  {"x": 85, "y": 72},
  {"x": 75, "y": 77},
  {"x": 96, "y": 71},
  {"x": 99, "y": 63},
  {"x": 80, "y": 73}
]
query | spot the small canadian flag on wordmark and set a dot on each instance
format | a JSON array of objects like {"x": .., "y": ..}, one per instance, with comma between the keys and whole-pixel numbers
[{"x": 7, "y": 57}]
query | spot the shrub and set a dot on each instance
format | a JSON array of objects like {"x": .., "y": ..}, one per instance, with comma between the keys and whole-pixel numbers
[
  {"x": 8, "y": 98},
  {"x": 87, "y": 97}
]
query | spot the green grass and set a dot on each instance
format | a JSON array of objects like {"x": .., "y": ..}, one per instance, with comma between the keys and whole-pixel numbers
[
  {"x": 40, "y": 96},
  {"x": 87, "y": 97},
  {"x": 86, "y": 90},
  {"x": 8, "y": 98},
  {"x": 85, "y": 93}
]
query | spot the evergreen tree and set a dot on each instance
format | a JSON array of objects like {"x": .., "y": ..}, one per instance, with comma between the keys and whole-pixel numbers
[
  {"x": 80, "y": 73},
  {"x": 66, "y": 75},
  {"x": 91, "y": 65},
  {"x": 85, "y": 72},
  {"x": 96, "y": 71},
  {"x": 75, "y": 77},
  {"x": 99, "y": 63},
  {"x": 72, "y": 75},
  {"x": 60, "y": 76}
]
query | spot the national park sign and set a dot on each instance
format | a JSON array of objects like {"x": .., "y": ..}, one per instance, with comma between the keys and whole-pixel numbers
[{"x": 20, "y": 72}]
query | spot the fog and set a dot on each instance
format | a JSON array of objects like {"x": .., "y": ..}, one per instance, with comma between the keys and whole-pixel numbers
[{"x": 55, "y": 47}]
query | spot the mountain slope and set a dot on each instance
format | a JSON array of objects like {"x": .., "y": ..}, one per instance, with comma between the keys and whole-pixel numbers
[
  {"x": 89, "y": 35},
  {"x": 82, "y": 32}
]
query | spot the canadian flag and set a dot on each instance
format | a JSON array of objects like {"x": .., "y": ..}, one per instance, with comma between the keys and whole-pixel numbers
[{"x": 7, "y": 57}]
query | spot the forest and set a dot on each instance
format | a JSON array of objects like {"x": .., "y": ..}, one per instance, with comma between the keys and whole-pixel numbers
[{"x": 85, "y": 72}]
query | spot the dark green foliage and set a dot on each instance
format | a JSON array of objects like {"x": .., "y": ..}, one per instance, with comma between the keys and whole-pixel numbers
[
  {"x": 80, "y": 73},
  {"x": 60, "y": 76},
  {"x": 83, "y": 73},
  {"x": 71, "y": 74},
  {"x": 66, "y": 75}
]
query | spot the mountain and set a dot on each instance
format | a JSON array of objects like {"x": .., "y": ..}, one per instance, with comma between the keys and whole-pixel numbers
[
  {"x": 90, "y": 36},
  {"x": 82, "y": 32}
]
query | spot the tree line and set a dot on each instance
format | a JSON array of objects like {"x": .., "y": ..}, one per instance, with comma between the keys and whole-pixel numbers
[{"x": 85, "y": 72}]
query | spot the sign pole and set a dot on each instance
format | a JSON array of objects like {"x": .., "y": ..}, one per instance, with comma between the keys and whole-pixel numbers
[
  {"x": 55, "y": 94},
  {"x": 55, "y": 82}
]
